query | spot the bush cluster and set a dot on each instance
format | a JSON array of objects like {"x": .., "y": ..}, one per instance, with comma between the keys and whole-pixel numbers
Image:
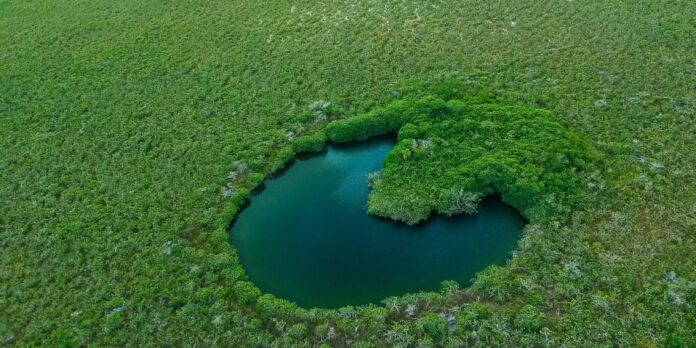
[{"x": 451, "y": 153}]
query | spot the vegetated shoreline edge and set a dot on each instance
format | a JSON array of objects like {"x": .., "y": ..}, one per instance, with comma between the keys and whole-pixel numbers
[{"x": 315, "y": 141}]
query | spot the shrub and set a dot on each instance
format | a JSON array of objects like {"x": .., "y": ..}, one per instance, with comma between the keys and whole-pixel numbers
[
  {"x": 529, "y": 319},
  {"x": 409, "y": 131},
  {"x": 494, "y": 281},
  {"x": 363, "y": 344},
  {"x": 434, "y": 326},
  {"x": 449, "y": 287},
  {"x": 309, "y": 143},
  {"x": 457, "y": 201},
  {"x": 298, "y": 331},
  {"x": 373, "y": 179},
  {"x": 282, "y": 158},
  {"x": 246, "y": 292},
  {"x": 270, "y": 306},
  {"x": 451, "y": 154}
]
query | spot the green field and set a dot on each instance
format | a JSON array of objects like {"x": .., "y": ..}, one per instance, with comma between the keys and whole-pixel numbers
[{"x": 132, "y": 132}]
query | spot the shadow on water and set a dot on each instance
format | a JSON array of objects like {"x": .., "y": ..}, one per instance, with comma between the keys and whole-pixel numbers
[{"x": 306, "y": 236}]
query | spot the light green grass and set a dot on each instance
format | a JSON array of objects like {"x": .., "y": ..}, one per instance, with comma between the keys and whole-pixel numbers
[{"x": 120, "y": 122}]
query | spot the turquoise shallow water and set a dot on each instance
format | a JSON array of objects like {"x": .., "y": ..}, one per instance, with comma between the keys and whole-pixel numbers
[{"x": 307, "y": 238}]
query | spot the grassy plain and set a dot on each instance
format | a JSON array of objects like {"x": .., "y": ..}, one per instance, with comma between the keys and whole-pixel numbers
[{"x": 131, "y": 132}]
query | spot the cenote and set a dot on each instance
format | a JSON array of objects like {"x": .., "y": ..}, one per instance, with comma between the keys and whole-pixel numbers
[{"x": 307, "y": 237}]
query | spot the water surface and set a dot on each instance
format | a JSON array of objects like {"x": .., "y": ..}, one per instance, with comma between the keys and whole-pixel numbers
[{"x": 307, "y": 238}]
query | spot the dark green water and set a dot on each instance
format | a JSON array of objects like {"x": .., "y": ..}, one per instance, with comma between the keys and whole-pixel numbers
[{"x": 306, "y": 236}]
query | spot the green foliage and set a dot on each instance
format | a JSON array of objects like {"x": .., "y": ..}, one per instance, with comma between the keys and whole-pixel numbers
[
  {"x": 451, "y": 153},
  {"x": 494, "y": 281},
  {"x": 363, "y": 344},
  {"x": 529, "y": 319},
  {"x": 434, "y": 326},
  {"x": 282, "y": 157},
  {"x": 409, "y": 131},
  {"x": 373, "y": 319},
  {"x": 684, "y": 338},
  {"x": 298, "y": 331},
  {"x": 374, "y": 179},
  {"x": 270, "y": 306},
  {"x": 449, "y": 287},
  {"x": 457, "y": 201},
  {"x": 246, "y": 292},
  {"x": 472, "y": 312},
  {"x": 309, "y": 143},
  {"x": 363, "y": 127},
  {"x": 120, "y": 123},
  {"x": 535, "y": 296}
]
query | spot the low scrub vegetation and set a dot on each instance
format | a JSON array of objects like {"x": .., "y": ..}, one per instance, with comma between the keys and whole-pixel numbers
[
  {"x": 132, "y": 133},
  {"x": 452, "y": 153}
]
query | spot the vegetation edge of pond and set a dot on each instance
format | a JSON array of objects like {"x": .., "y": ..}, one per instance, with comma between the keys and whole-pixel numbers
[
  {"x": 308, "y": 239},
  {"x": 393, "y": 117}
]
